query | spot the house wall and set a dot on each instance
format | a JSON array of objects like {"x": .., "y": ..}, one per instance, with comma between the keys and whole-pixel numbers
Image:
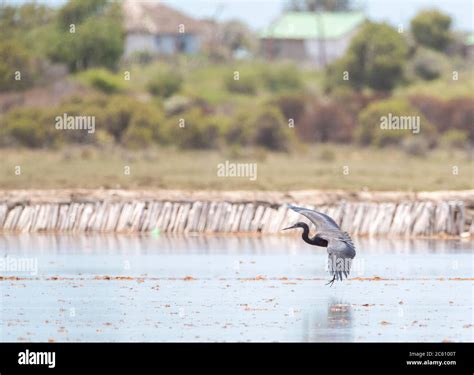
[
  {"x": 191, "y": 43},
  {"x": 161, "y": 44},
  {"x": 135, "y": 42},
  {"x": 332, "y": 49},
  {"x": 307, "y": 50},
  {"x": 291, "y": 49}
]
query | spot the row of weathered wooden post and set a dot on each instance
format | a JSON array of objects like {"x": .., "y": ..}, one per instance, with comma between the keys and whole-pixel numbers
[{"x": 423, "y": 218}]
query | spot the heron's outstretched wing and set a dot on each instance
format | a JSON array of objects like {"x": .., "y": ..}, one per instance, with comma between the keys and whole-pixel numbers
[
  {"x": 326, "y": 227},
  {"x": 322, "y": 221},
  {"x": 341, "y": 249}
]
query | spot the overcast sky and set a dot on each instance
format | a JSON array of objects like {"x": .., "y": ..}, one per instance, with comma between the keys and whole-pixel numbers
[{"x": 259, "y": 13}]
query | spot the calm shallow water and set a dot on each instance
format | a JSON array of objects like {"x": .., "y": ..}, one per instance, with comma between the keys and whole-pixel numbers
[{"x": 161, "y": 288}]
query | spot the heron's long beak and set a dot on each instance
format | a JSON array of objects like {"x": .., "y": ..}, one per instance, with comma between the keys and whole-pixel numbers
[{"x": 292, "y": 227}]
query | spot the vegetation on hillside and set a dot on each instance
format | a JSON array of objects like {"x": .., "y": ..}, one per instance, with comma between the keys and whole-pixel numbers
[{"x": 216, "y": 101}]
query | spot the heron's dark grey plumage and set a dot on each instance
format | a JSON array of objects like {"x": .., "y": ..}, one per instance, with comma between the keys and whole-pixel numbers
[{"x": 341, "y": 249}]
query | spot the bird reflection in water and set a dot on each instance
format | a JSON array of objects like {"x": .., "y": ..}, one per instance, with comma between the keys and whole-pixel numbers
[{"x": 330, "y": 324}]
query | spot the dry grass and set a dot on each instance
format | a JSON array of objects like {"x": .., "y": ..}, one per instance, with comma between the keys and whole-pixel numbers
[{"x": 318, "y": 167}]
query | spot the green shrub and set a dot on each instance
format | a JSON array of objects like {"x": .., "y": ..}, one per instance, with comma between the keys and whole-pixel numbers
[
  {"x": 271, "y": 130},
  {"x": 118, "y": 119},
  {"x": 165, "y": 84},
  {"x": 117, "y": 114},
  {"x": 371, "y": 124},
  {"x": 76, "y": 11},
  {"x": 177, "y": 104},
  {"x": 454, "y": 139},
  {"x": 282, "y": 78},
  {"x": 83, "y": 106},
  {"x": 374, "y": 59},
  {"x": 30, "y": 127},
  {"x": 103, "y": 80},
  {"x": 246, "y": 84},
  {"x": 335, "y": 76},
  {"x": 145, "y": 129},
  {"x": 263, "y": 127},
  {"x": 238, "y": 134},
  {"x": 113, "y": 112},
  {"x": 103, "y": 138},
  {"x": 198, "y": 131},
  {"x": 13, "y": 58},
  {"x": 428, "y": 64},
  {"x": 431, "y": 28},
  {"x": 99, "y": 37},
  {"x": 291, "y": 105},
  {"x": 138, "y": 137}
]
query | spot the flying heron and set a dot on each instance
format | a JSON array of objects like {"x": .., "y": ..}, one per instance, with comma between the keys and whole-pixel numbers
[{"x": 339, "y": 245}]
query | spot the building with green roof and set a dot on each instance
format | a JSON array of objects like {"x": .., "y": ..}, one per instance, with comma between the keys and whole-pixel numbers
[
  {"x": 318, "y": 38},
  {"x": 469, "y": 46},
  {"x": 470, "y": 39}
]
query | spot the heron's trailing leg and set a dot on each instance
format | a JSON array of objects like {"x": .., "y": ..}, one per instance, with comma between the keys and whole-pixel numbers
[{"x": 331, "y": 281}]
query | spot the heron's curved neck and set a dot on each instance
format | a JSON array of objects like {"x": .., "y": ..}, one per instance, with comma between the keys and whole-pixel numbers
[{"x": 312, "y": 241}]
